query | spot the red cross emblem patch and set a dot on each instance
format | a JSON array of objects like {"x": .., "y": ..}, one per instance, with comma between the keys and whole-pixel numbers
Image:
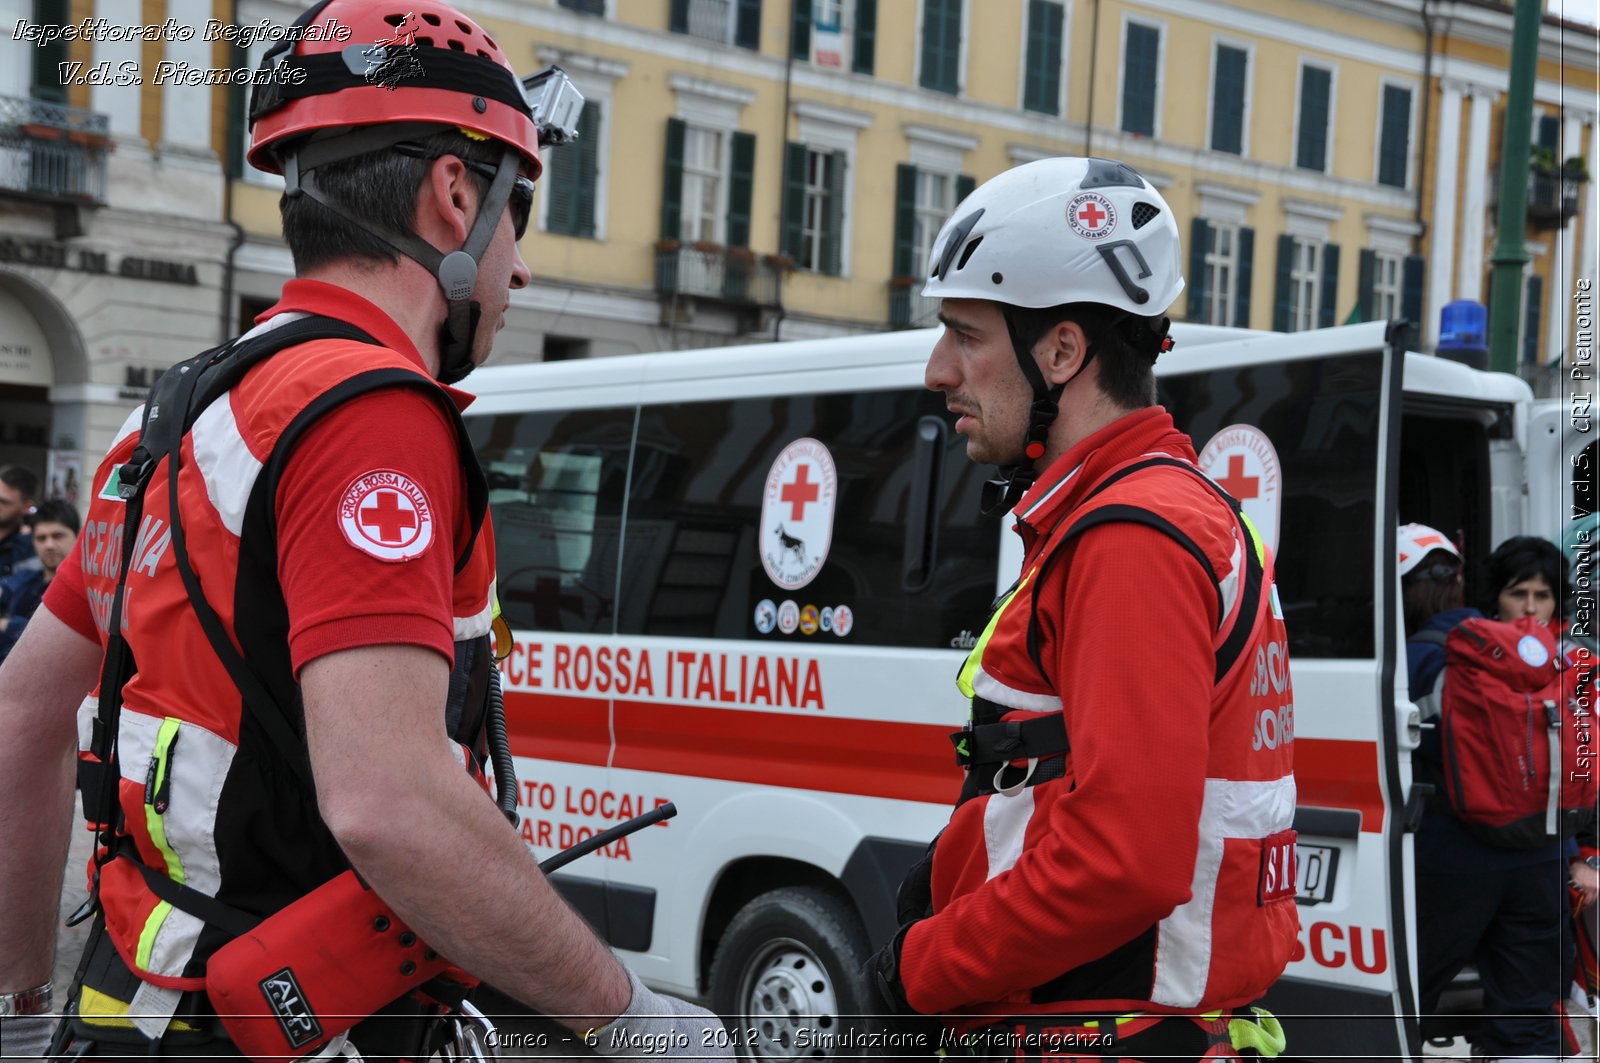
[
  {"x": 1092, "y": 216},
  {"x": 387, "y": 514}
]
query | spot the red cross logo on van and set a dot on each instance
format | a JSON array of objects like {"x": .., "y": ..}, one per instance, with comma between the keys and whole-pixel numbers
[
  {"x": 799, "y": 492},
  {"x": 1236, "y": 483}
]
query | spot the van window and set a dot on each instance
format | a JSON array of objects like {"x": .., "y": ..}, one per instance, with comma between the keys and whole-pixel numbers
[
  {"x": 690, "y": 562},
  {"x": 556, "y": 482},
  {"x": 1321, "y": 418}
]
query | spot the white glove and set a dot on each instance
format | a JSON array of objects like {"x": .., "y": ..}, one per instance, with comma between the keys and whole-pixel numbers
[
  {"x": 657, "y": 1026},
  {"x": 27, "y": 1036}
]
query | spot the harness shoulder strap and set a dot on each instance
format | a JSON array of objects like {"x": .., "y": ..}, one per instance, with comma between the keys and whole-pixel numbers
[{"x": 1233, "y": 644}]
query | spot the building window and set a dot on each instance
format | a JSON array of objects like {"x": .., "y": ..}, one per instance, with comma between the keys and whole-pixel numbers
[
  {"x": 724, "y": 21},
  {"x": 830, "y": 32},
  {"x": 941, "y": 46},
  {"x": 813, "y": 222},
  {"x": 1316, "y": 97},
  {"x": 1220, "y": 270},
  {"x": 586, "y": 7},
  {"x": 1308, "y": 281},
  {"x": 1041, "y": 78},
  {"x": 708, "y": 181},
  {"x": 1141, "y": 59},
  {"x": 933, "y": 203},
  {"x": 1394, "y": 137},
  {"x": 1229, "y": 86},
  {"x": 702, "y": 185},
  {"x": 924, "y": 198},
  {"x": 1388, "y": 287},
  {"x": 572, "y": 178},
  {"x": 1305, "y": 284}
]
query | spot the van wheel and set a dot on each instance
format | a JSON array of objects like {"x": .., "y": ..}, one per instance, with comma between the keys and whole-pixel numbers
[{"x": 788, "y": 975}]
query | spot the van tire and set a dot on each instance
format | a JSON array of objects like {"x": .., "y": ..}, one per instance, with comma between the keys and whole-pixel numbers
[{"x": 788, "y": 969}]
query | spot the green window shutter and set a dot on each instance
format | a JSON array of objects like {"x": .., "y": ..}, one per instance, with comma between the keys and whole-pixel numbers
[
  {"x": 238, "y": 109},
  {"x": 747, "y": 25},
  {"x": 1199, "y": 244},
  {"x": 46, "y": 83},
  {"x": 1042, "y": 74},
  {"x": 941, "y": 45},
  {"x": 1311, "y": 150},
  {"x": 741, "y": 185},
  {"x": 1246, "y": 242},
  {"x": 1283, "y": 292},
  {"x": 1366, "y": 278},
  {"x": 965, "y": 183},
  {"x": 864, "y": 49},
  {"x": 672, "y": 181},
  {"x": 588, "y": 149},
  {"x": 1227, "y": 100},
  {"x": 800, "y": 30},
  {"x": 678, "y": 16},
  {"x": 794, "y": 198},
  {"x": 833, "y": 229},
  {"x": 1394, "y": 143},
  {"x": 905, "y": 214},
  {"x": 1329, "y": 295},
  {"x": 1549, "y": 135},
  {"x": 561, "y": 187},
  {"x": 1533, "y": 312},
  {"x": 1412, "y": 276},
  {"x": 1139, "y": 56}
]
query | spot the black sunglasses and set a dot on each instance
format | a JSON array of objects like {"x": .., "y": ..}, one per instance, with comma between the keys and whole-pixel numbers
[{"x": 521, "y": 202}]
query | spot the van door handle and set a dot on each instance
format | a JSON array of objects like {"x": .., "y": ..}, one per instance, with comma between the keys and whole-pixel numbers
[{"x": 922, "y": 517}]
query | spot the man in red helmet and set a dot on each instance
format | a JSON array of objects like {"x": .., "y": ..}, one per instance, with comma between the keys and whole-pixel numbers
[{"x": 284, "y": 593}]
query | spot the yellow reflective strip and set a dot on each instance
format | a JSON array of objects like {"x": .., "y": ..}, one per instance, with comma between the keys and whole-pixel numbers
[
  {"x": 974, "y": 661},
  {"x": 101, "y": 1009},
  {"x": 152, "y": 818},
  {"x": 1255, "y": 538},
  {"x": 147, "y": 936}
]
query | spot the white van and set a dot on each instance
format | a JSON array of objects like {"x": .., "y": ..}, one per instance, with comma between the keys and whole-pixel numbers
[{"x": 743, "y": 579}]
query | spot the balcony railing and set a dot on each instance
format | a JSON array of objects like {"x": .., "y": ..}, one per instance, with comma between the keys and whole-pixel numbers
[
  {"x": 727, "y": 275},
  {"x": 1553, "y": 194},
  {"x": 53, "y": 151},
  {"x": 907, "y": 306}
]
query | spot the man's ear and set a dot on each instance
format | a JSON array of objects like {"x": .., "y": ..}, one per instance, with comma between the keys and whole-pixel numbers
[
  {"x": 446, "y": 201},
  {"x": 1061, "y": 351}
]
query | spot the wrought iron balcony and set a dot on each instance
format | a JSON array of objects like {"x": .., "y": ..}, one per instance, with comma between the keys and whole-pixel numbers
[
  {"x": 734, "y": 275},
  {"x": 907, "y": 306},
  {"x": 1553, "y": 193},
  {"x": 52, "y": 151}
]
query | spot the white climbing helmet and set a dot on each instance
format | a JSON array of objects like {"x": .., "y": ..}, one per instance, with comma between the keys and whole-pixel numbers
[{"x": 1058, "y": 231}]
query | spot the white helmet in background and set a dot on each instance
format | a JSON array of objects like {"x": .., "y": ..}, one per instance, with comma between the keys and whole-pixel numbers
[
  {"x": 1417, "y": 541},
  {"x": 1059, "y": 231}
]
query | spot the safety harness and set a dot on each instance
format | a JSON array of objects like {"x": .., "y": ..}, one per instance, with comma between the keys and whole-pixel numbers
[
  {"x": 175, "y": 402},
  {"x": 991, "y": 748}
]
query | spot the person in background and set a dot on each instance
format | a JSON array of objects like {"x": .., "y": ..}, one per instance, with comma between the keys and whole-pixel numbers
[
  {"x": 1529, "y": 576},
  {"x": 1500, "y": 908},
  {"x": 18, "y": 489},
  {"x": 55, "y": 529}
]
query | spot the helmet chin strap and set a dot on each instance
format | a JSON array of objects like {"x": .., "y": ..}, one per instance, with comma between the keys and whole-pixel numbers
[
  {"x": 1001, "y": 495},
  {"x": 456, "y": 272}
]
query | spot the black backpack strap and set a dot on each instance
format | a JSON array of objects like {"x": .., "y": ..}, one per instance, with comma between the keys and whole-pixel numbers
[
  {"x": 176, "y": 399},
  {"x": 1254, "y": 574},
  {"x": 1431, "y": 635}
]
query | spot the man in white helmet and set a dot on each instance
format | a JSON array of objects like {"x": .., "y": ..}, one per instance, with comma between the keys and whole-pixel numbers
[{"x": 1117, "y": 877}]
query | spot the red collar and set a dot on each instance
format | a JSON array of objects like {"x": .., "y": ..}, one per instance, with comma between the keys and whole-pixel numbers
[
  {"x": 1072, "y": 476},
  {"x": 330, "y": 300}
]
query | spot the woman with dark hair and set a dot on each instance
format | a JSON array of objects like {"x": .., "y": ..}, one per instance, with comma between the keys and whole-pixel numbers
[
  {"x": 1499, "y": 908},
  {"x": 1529, "y": 576}
]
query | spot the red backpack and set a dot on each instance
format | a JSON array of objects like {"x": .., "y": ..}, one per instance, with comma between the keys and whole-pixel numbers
[{"x": 1516, "y": 731}]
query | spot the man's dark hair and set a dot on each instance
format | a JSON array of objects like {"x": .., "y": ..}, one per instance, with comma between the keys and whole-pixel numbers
[
  {"x": 380, "y": 189},
  {"x": 55, "y": 511},
  {"x": 1125, "y": 345},
  {"x": 21, "y": 481},
  {"x": 1425, "y": 593},
  {"x": 1524, "y": 557}
]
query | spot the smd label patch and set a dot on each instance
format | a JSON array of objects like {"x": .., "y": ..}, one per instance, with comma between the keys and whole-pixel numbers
[
  {"x": 1244, "y": 463},
  {"x": 797, "y": 514}
]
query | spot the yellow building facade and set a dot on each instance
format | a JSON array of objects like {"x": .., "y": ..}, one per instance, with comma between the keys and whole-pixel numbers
[{"x": 778, "y": 168}]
